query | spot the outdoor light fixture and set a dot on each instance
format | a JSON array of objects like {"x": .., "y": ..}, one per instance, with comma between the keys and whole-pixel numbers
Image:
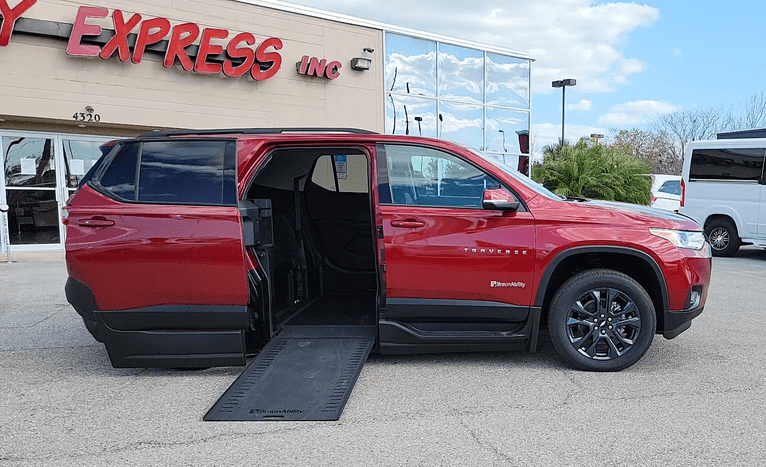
[
  {"x": 563, "y": 83},
  {"x": 89, "y": 109},
  {"x": 361, "y": 63}
]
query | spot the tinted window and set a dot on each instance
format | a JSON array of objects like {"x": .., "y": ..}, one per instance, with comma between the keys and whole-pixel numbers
[
  {"x": 727, "y": 164},
  {"x": 672, "y": 187},
  {"x": 183, "y": 172},
  {"x": 120, "y": 176},
  {"x": 427, "y": 177}
]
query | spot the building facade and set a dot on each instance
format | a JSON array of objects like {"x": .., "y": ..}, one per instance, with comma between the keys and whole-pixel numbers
[{"x": 75, "y": 76}]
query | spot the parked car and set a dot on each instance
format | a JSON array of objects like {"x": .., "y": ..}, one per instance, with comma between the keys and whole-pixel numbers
[
  {"x": 723, "y": 190},
  {"x": 199, "y": 248},
  {"x": 666, "y": 192}
]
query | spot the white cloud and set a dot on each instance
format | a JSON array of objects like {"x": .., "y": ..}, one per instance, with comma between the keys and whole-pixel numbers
[
  {"x": 568, "y": 38},
  {"x": 635, "y": 112},
  {"x": 584, "y": 104}
]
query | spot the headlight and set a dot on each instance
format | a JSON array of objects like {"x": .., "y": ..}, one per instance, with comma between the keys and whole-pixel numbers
[{"x": 681, "y": 238}]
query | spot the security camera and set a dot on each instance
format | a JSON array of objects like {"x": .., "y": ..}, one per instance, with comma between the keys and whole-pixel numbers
[{"x": 369, "y": 50}]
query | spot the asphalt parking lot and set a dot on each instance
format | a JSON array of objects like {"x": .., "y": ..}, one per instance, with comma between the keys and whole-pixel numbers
[{"x": 695, "y": 400}]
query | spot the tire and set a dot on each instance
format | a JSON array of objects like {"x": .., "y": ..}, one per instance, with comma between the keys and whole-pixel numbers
[
  {"x": 723, "y": 237},
  {"x": 601, "y": 320}
]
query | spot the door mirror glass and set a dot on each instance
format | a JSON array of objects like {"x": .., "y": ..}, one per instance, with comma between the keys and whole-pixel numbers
[{"x": 499, "y": 199}]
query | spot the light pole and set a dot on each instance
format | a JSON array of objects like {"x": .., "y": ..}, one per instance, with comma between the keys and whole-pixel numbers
[{"x": 563, "y": 83}]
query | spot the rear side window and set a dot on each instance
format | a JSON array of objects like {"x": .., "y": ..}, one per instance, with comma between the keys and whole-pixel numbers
[
  {"x": 744, "y": 164},
  {"x": 672, "y": 187},
  {"x": 182, "y": 172},
  {"x": 120, "y": 177},
  {"x": 174, "y": 172}
]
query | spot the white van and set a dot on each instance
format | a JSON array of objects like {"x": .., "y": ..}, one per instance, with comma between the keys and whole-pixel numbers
[{"x": 722, "y": 188}]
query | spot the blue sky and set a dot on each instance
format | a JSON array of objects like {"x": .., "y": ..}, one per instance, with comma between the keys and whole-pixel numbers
[{"x": 632, "y": 60}]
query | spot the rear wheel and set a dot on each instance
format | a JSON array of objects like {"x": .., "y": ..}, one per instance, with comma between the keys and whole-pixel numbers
[
  {"x": 723, "y": 237},
  {"x": 601, "y": 320}
]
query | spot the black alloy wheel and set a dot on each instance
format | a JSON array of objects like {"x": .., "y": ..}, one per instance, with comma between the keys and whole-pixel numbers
[{"x": 602, "y": 320}]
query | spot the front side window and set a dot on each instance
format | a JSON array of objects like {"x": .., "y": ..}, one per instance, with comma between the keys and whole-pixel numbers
[
  {"x": 742, "y": 164},
  {"x": 429, "y": 177}
]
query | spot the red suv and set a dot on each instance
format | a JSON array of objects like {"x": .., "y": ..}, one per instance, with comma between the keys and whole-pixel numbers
[{"x": 197, "y": 249}]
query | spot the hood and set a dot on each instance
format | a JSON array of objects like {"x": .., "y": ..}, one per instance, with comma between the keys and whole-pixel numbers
[{"x": 660, "y": 217}]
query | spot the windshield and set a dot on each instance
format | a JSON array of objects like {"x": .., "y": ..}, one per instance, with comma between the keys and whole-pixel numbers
[{"x": 523, "y": 179}]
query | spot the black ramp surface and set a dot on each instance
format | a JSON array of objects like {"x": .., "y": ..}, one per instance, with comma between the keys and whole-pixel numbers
[{"x": 305, "y": 373}]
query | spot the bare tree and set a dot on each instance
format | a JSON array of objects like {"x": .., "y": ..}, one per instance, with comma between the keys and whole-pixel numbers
[
  {"x": 748, "y": 114},
  {"x": 650, "y": 147},
  {"x": 679, "y": 128}
]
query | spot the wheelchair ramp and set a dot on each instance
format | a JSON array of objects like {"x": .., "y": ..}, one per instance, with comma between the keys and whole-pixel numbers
[{"x": 305, "y": 373}]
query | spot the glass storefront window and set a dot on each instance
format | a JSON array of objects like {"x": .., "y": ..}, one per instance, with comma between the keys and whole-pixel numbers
[
  {"x": 507, "y": 81},
  {"x": 410, "y": 65},
  {"x": 461, "y": 74},
  {"x": 469, "y": 96},
  {"x": 463, "y": 123},
  {"x": 29, "y": 162},
  {"x": 409, "y": 115},
  {"x": 79, "y": 157},
  {"x": 503, "y": 130}
]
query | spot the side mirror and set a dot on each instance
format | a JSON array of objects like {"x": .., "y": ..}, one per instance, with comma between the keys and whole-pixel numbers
[{"x": 499, "y": 199}]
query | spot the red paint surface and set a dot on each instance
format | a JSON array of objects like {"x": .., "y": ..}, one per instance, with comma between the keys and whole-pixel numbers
[{"x": 156, "y": 254}]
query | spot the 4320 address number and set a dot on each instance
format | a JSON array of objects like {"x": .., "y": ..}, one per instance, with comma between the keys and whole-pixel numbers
[{"x": 85, "y": 117}]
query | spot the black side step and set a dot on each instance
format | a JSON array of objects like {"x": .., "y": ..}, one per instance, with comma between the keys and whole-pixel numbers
[{"x": 304, "y": 373}]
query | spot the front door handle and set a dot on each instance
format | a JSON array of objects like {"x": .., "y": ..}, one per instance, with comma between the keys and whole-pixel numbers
[
  {"x": 95, "y": 222},
  {"x": 408, "y": 223}
]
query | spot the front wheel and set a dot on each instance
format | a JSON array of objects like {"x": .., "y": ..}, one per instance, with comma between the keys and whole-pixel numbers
[{"x": 601, "y": 320}]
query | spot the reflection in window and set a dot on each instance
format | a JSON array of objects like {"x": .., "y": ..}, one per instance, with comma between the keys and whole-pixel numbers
[
  {"x": 79, "y": 157},
  {"x": 406, "y": 115},
  {"x": 182, "y": 172},
  {"x": 120, "y": 176},
  {"x": 463, "y": 124},
  {"x": 507, "y": 81},
  {"x": 427, "y": 177},
  {"x": 461, "y": 74},
  {"x": 410, "y": 65},
  {"x": 505, "y": 129},
  {"x": 29, "y": 162}
]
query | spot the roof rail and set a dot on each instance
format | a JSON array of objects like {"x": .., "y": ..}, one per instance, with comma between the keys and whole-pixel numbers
[{"x": 255, "y": 131}]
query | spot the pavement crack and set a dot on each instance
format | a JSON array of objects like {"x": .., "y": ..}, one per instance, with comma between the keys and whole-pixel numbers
[{"x": 488, "y": 447}]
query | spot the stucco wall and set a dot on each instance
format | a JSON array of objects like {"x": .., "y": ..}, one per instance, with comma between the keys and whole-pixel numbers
[{"x": 39, "y": 80}]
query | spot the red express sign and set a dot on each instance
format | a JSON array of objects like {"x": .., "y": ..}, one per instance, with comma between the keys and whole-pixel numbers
[{"x": 261, "y": 62}]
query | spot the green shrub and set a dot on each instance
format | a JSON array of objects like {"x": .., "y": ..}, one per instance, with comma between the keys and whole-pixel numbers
[{"x": 598, "y": 172}]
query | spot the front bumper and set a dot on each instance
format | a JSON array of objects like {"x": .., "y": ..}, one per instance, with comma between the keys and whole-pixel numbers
[{"x": 677, "y": 322}]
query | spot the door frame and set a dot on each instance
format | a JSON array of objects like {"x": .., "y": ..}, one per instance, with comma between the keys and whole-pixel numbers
[{"x": 61, "y": 191}]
